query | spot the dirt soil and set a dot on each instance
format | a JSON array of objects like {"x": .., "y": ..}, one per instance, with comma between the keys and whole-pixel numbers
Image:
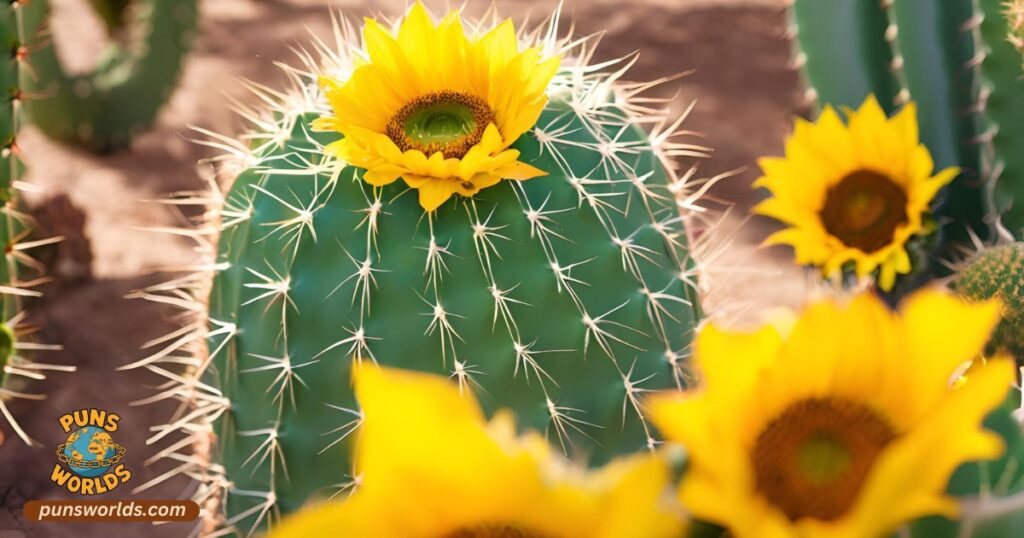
[{"x": 745, "y": 91}]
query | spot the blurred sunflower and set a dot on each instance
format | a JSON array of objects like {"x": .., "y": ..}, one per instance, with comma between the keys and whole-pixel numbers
[
  {"x": 847, "y": 427},
  {"x": 853, "y": 193},
  {"x": 437, "y": 107},
  {"x": 430, "y": 467}
]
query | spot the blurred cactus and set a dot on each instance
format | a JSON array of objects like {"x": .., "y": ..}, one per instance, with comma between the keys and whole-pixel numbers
[
  {"x": 563, "y": 298},
  {"x": 954, "y": 60},
  {"x": 112, "y": 12},
  {"x": 19, "y": 272},
  {"x": 999, "y": 272},
  {"x": 1015, "y": 18},
  {"x": 103, "y": 109}
]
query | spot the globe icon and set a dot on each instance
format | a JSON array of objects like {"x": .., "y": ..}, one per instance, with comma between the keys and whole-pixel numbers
[{"x": 90, "y": 451}]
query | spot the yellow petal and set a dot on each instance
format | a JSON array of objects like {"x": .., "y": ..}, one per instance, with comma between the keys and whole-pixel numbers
[
  {"x": 943, "y": 332},
  {"x": 435, "y": 192}
]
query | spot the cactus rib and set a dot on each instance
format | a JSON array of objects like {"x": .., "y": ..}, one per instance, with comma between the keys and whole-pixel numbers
[
  {"x": 845, "y": 52},
  {"x": 1004, "y": 106}
]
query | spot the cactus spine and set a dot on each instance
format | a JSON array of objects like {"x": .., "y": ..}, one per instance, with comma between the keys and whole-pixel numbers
[
  {"x": 18, "y": 272},
  {"x": 563, "y": 298},
  {"x": 954, "y": 59},
  {"x": 103, "y": 109}
]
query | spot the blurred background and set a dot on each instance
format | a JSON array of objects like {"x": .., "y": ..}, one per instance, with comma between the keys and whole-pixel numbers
[{"x": 745, "y": 91}]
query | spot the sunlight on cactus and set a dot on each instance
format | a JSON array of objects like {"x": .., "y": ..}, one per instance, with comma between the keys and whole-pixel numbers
[
  {"x": 564, "y": 297},
  {"x": 19, "y": 272}
]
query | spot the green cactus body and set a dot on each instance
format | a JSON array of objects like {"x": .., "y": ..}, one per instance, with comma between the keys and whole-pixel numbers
[
  {"x": 522, "y": 295},
  {"x": 102, "y": 110},
  {"x": 955, "y": 61},
  {"x": 563, "y": 298},
  {"x": 854, "y": 35},
  {"x": 18, "y": 272},
  {"x": 10, "y": 170},
  {"x": 998, "y": 272}
]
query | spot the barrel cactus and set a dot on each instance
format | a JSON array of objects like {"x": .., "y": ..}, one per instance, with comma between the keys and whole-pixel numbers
[
  {"x": 998, "y": 272},
  {"x": 101, "y": 110},
  {"x": 539, "y": 255},
  {"x": 955, "y": 61},
  {"x": 19, "y": 272}
]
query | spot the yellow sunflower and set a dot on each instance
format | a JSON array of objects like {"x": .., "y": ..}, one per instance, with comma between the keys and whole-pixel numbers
[
  {"x": 846, "y": 427},
  {"x": 853, "y": 193},
  {"x": 437, "y": 107},
  {"x": 431, "y": 467}
]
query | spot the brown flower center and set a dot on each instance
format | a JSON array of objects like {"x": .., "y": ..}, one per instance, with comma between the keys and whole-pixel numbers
[
  {"x": 813, "y": 459},
  {"x": 864, "y": 209},
  {"x": 494, "y": 531},
  {"x": 449, "y": 122}
]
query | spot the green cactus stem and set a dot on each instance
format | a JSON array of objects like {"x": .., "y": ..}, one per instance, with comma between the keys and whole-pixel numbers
[
  {"x": 1004, "y": 108},
  {"x": 103, "y": 109},
  {"x": 563, "y": 298},
  {"x": 844, "y": 52},
  {"x": 19, "y": 272}
]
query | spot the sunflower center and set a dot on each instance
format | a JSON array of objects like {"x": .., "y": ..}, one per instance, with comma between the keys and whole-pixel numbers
[
  {"x": 493, "y": 531},
  {"x": 813, "y": 459},
  {"x": 864, "y": 209},
  {"x": 449, "y": 122}
]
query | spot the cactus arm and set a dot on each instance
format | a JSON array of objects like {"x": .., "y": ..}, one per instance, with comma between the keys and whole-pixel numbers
[
  {"x": 1004, "y": 110},
  {"x": 103, "y": 109},
  {"x": 936, "y": 48},
  {"x": 845, "y": 51},
  {"x": 18, "y": 271}
]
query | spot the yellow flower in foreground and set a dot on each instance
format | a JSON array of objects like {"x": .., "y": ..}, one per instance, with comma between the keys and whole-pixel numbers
[
  {"x": 432, "y": 468},
  {"x": 847, "y": 427},
  {"x": 437, "y": 107},
  {"x": 852, "y": 193}
]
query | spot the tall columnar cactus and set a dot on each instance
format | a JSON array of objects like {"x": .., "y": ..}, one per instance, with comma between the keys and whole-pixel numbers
[
  {"x": 102, "y": 110},
  {"x": 564, "y": 297},
  {"x": 19, "y": 273},
  {"x": 954, "y": 59}
]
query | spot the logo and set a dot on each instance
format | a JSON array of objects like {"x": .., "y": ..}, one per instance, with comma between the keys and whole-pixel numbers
[{"x": 90, "y": 460}]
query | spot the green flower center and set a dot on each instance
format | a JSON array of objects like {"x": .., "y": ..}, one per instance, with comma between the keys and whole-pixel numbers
[
  {"x": 447, "y": 122},
  {"x": 864, "y": 209},
  {"x": 493, "y": 531},
  {"x": 822, "y": 458},
  {"x": 813, "y": 459}
]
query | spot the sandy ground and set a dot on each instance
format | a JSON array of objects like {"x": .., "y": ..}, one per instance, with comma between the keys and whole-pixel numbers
[{"x": 742, "y": 83}]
